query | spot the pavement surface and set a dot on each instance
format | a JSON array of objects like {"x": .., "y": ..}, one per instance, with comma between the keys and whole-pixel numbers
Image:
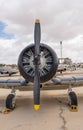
[{"x": 54, "y": 113}]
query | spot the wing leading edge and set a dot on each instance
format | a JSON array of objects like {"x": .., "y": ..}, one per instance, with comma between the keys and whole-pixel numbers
[{"x": 70, "y": 80}]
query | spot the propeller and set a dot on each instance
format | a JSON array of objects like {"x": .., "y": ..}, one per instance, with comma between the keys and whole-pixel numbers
[{"x": 37, "y": 37}]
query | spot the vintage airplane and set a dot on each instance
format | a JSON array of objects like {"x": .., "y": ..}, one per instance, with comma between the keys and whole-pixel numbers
[
  {"x": 38, "y": 63},
  {"x": 9, "y": 72}
]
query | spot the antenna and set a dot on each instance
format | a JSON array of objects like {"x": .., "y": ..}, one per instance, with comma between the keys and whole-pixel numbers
[{"x": 61, "y": 50}]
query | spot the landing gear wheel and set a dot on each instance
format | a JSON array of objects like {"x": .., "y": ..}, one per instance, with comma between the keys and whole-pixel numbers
[
  {"x": 10, "y": 101},
  {"x": 73, "y": 98},
  {"x": 73, "y": 102}
]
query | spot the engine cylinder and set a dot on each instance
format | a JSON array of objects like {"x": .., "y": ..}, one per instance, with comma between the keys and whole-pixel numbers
[{"x": 47, "y": 67}]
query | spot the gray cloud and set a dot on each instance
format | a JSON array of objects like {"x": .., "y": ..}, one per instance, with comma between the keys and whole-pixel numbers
[{"x": 60, "y": 20}]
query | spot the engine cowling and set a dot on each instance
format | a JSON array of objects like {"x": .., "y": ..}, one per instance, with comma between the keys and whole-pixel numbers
[{"x": 47, "y": 66}]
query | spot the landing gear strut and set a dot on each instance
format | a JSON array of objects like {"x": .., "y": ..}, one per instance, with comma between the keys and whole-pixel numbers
[
  {"x": 11, "y": 100},
  {"x": 72, "y": 98}
]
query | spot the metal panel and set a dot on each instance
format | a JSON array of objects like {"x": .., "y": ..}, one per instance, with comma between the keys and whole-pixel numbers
[
  {"x": 71, "y": 80},
  {"x": 10, "y": 82}
]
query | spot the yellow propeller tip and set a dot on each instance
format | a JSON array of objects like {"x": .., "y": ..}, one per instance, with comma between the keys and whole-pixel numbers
[
  {"x": 37, "y": 21},
  {"x": 36, "y": 107}
]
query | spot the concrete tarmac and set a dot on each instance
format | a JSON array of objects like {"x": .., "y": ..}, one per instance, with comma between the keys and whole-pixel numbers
[{"x": 54, "y": 113}]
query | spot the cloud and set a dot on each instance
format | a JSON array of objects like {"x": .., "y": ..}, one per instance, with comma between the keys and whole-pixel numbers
[{"x": 60, "y": 20}]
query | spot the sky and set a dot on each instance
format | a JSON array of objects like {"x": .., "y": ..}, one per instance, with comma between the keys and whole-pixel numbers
[{"x": 61, "y": 20}]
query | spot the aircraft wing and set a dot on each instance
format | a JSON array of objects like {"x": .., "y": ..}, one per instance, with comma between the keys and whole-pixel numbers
[
  {"x": 55, "y": 83},
  {"x": 74, "y": 81},
  {"x": 10, "y": 82},
  {"x": 11, "y": 72}
]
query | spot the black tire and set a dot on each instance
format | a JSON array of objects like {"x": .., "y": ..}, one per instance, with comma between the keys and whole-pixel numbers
[
  {"x": 10, "y": 101},
  {"x": 73, "y": 98}
]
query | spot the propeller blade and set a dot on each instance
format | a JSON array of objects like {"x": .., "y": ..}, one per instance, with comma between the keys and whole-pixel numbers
[
  {"x": 36, "y": 90},
  {"x": 36, "y": 65},
  {"x": 37, "y": 33}
]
